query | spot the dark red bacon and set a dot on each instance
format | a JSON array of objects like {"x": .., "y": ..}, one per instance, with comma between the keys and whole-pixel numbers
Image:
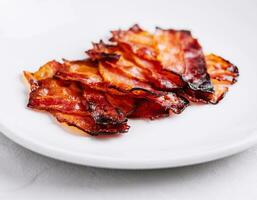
[
  {"x": 222, "y": 73},
  {"x": 140, "y": 46},
  {"x": 127, "y": 76},
  {"x": 138, "y": 75},
  {"x": 101, "y": 109},
  {"x": 146, "y": 109},
  {"x": 88, "y": 125},
  {"x": 179, "y": 52}
]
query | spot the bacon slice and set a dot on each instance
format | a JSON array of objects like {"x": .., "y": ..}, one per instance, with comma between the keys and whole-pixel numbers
[
  {"x": 101, "y": 109},
  {"x": 172, "y": 101},
  {"x": 142, "y": 43},
  {"x": 69, "y": 102},
  {"x": 125, "y": 104},
  {"x": 48, "y": 70},
  {"x": 112, "y": 74},
  {"x": 140, "y": 47},
  {"x": 149, "y": 110},
  {"x": 222, "y": 73},
  {"x": 48, "y": 93},
  {"x": 57, "y": 95},
  {"x": 88, "y": 125},
  {"x": 84, "y": 71},
  {"x": 116, "y": 74},
  {"x": 221, "y": 69},
  {"x": 179, "y": 52},
  {"x": 120, "y": 72},
  {"x": 139, "y": 75}
]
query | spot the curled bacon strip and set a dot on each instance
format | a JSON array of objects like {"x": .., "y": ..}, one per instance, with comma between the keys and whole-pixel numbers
[
  {"x": 120, "y": 72},
  {"x": 149, "y": 110},
  {"x": 179, "y": 52},
  {"x": 140, "y": 46},
  {"x": 69, "y": 103},
  {"x": 101, "y": 109},
  {"x": 88, "y": 125},
  {"x": 222, "y": 73},
  {"x": 53, "y": 94},
  {"x": 127, "y": 76},
  {"x": 139, "y": 75}
]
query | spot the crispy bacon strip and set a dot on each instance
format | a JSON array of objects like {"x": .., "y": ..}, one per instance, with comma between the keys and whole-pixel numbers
[
  {"x": 49, "y": 94},
  {"x": 179, "y": 52},
  {"x": 175, "y": 51},
  {"x": 116, "y": 74},
  {"x": 48, "y": 70},
  {"x": 84, "y": 71},
  {"x": 112, "y": 53},
  {"x": 221, "y": 69},
  {"x": 140, "y": 47},
  {"x": 222, "y": 73},
  {"x": 88, "y": 125},
  {"x": 71, "y": 104},
  {"x": 149, "y": 110},
  {"x": 101, "y": 109},
  {"x": 141, "y": 75},
  {"x": 53, "y": 94},
  {"x": 87, "y": 73},
  {"x": 141, "y": 42},
  {"x": 171, "y": 101},
  {"x": 125, "y": 104},
  {"x": 124, "y": 74}
]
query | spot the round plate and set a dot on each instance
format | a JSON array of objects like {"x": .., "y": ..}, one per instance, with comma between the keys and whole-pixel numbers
[{"x": 38, "y": 32}]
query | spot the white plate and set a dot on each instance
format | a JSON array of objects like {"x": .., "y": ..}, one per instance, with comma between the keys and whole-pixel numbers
[{"x": 34, "y": 32}]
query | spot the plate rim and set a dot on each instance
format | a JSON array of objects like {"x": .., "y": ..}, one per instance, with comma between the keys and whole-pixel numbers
[{"x": 109, "y": 163}]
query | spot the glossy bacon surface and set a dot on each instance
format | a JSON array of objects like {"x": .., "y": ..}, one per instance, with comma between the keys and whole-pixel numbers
[
  {"x": 69, "y": 102},
  {"x": 146, "y": 109},
  {"x": 222, "y": 73},
  {"x": 179, "y": 52},
  {"x": 127, "y": 76},
  {"x": 138, "y": 75},
  {"x": 88, "y": 125},
  {"x": 141, "y": 47},
  {"x": 101, "y": 109},
  {"x": 53, "y": 94}
]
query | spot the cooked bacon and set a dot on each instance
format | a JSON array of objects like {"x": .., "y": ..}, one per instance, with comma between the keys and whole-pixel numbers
[
  {"x": 222, "y": 73},
  {"x": 53, "y": 94},
  {"x": 222, "y": 70},
  {"x": 171, "y": 101},
  {"x": 113, "y": 75},
  {"x": 86, "y": 109},
  {"x": 175, "y": 51},
  {"x": 87, "y": 124},
  {"x": 124, "y": 103},
  {"x": 140, "y": 47},
  {"x": 112, "y": 53},
  {"x": 149, "y": 110},
  {"x": 101, "y": 109},
  {"x": 138, "y": 75},
  {"x": 141, "y": 42},
  {"x": 83, "y": 71},
  {"x": 179, "y": 52},
  {"x": 48, "y": 70}
]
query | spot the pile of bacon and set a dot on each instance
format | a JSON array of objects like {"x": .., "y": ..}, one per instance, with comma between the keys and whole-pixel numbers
[{"x": 137, "y": 75}]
